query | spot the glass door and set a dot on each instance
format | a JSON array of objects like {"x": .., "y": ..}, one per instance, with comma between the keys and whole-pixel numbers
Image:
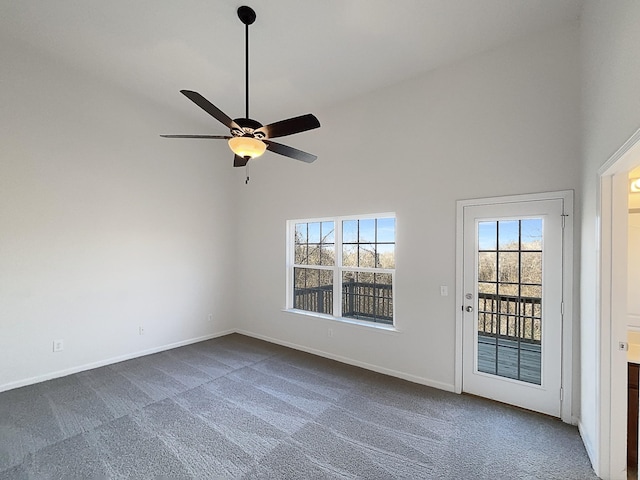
[{"x": 513, "y": 303}]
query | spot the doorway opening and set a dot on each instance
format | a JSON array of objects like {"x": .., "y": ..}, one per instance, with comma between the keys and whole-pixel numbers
[{"x": 615, "y": 317}]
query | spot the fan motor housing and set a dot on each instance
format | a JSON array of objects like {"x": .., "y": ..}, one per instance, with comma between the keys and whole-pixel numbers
[{"x": 248, "y": 126}]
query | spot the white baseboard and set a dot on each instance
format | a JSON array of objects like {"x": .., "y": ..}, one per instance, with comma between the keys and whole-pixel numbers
[
  {"x": 108, "y": 361},
  {"x": 589, "y": 447},
  {"x": 350, "y": 361}
]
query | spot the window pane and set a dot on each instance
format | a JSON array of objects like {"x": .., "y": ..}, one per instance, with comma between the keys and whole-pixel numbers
[
  {"x": 386, "y": 256},
  {"x": 367, "y": 296},
  {"x": 314, "y": 254},
  {"x": 508, "y": 234},
  {"x": 314, "y": 232},
  {"x": 299, "y": 277},
  {"x": 325, "y": 277},
  {"x": 367, "y": 230},
  {"x": 383, "y": 279},
  {"x": 312, "y": 278},
  {"x": 386, "y": 230},
  {"x": 301, "y": 233},
  {"x": 301, "y": 255},
  {"x": 375, "y": 240},
  {"x": 328, "y": 232},
  {"x": 314, "y": 243},
  {"x": 367, "y": 255},
  {"x": 350, "y": 231},
  {"x": 313, "y": 290},
  {"x": 327, "y": 255},
  {"x": 365, "y": 277},
  {"x": 350, "y": 256}
]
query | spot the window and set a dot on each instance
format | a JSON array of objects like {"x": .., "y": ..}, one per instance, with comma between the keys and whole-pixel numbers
[{"x": 343, "y": 267}]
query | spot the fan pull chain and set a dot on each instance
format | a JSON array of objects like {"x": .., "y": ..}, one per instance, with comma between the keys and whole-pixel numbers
[{"x": 246, "y": 170}]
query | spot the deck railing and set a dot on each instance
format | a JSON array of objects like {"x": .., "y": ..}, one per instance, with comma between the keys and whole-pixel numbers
[
  {"x": 315, "y": 299},
  {"x": 366, "y": 301},
  {"x": 510, "y": 317},
  {"x": 504, "y": 316}
]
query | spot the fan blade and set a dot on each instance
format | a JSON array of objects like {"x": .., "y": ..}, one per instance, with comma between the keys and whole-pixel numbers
[
  {"x": 289, "y": 151},
  {"x": 224, "y": 137},
  {"x": 239, "y": 161},
  {"x": 210, "y": 108},
  {"x": 290, "y": 126}
]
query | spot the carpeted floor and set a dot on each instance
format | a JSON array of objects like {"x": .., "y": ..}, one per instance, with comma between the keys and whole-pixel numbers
[{"x": 236, "y": 407}]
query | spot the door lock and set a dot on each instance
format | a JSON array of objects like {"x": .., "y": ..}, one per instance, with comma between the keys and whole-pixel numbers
[{"x": 469, "y": 308}]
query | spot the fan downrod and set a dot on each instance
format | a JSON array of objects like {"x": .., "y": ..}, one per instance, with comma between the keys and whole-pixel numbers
[{"x": 246, "y": 15}]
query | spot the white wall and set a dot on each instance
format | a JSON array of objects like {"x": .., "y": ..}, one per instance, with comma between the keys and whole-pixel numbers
[
  {"x": 104, "y": 226},
  {"x": 610, "y": 43},
  {"x": 505, "y": 122}
]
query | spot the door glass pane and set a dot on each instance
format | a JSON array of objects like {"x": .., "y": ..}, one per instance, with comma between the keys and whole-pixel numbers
[
  {"x": 508, "y": 234},
  {"x": 487, "y": 235},
  {"x": 531, "y": 234},
  {"x": 487, "y": 263},
  {"x": 509, "y": 341}
]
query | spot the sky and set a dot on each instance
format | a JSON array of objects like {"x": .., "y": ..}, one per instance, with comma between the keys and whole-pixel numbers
[{"x": 507, "y": 233}]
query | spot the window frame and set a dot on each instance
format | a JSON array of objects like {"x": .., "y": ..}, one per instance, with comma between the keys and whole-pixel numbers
[{"x": 338, "y": 269}]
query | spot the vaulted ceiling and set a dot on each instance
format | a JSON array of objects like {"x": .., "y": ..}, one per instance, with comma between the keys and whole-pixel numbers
[{"x": 304, "y": 55}]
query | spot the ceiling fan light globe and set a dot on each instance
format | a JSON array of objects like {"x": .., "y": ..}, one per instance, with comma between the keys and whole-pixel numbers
[{"x": 247, "y": 147}]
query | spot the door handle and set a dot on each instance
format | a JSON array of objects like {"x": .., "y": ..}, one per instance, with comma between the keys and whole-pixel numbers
[{"x": 469, "y": 308}]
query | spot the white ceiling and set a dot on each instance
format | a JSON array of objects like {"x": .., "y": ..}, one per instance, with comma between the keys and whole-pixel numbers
[{"x": 304, "y": 55}]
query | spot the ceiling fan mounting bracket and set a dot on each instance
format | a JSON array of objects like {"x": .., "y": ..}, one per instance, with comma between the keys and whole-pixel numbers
[{"x": 246, "y": 15}]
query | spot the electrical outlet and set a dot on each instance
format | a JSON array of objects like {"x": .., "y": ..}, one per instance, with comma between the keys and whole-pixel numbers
[
  {"x": 624, "y": 346},
  {"x": 140, "y": 330},
  {"x": 211, "y": 317},
  {"x": 58, "y": 345}
]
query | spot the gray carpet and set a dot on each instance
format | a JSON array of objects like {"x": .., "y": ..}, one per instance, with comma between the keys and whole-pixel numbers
[{"x": 236, "y": 407}]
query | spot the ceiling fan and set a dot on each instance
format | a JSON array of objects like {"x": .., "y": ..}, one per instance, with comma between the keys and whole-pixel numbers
[{"x": 249, "y": 138}]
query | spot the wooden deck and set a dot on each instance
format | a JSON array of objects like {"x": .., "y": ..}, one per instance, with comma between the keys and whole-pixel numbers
[{"x": 507, "y": 364}]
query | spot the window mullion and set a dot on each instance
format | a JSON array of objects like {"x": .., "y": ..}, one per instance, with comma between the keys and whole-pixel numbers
[
  {"x": 337, "y": 270},
  {"x": 290, "y": 252}
]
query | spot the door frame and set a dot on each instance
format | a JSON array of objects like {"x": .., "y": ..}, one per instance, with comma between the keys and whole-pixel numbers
[
  {"x": 608, "y": 455},
  {"x": 566, "y": 411}
]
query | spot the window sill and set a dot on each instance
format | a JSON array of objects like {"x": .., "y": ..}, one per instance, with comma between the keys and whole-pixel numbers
[{"x": 349, "y": 321}]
